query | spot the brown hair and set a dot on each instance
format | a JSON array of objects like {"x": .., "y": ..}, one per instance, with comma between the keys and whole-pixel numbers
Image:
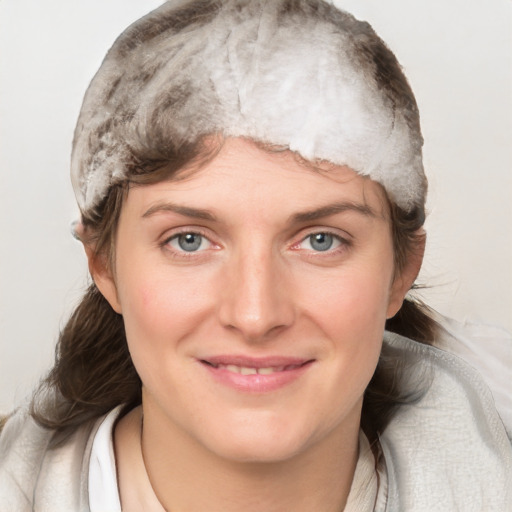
[{"x": 93, "y": 371}]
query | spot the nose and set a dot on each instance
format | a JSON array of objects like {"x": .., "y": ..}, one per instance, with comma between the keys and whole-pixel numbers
[{"x": 256, "y": 301}]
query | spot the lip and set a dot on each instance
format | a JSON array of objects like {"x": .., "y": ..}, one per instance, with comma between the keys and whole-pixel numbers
[{"x": 285, "y": 371}]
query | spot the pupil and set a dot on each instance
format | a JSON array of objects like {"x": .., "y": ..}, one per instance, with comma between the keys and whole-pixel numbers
[
  {"x": 190, "y": 242},
  {"x": 321, "y": 241}
]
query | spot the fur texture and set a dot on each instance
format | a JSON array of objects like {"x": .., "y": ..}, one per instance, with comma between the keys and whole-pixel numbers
[{"x": 294, "y": 73}]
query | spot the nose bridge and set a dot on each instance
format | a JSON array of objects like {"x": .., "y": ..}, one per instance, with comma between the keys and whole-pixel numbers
[{"x": 256, "y": 302}]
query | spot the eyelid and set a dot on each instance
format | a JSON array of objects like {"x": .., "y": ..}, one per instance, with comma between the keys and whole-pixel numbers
[
  {"x": 183, "y": 230},
  {"x": 345, "y": 240},
  {"x": 204, "y": 241}
]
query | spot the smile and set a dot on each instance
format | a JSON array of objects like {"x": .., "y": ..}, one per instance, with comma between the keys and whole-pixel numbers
[
  {"x": 248, "y": 370},
  {"x": 255, "y": 375}
]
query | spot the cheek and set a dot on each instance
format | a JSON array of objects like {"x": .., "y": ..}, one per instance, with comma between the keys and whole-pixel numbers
[
  {"x": 158, "y": 321},
  {"x": 355, "y": 320},
  {"x": 159, "y": 310},
  {"x": 350, "y": 308},
  {"x": 356, "y": 298},
  {"x": 153, "y": 293},
  {"x": 347, "y": 312}
]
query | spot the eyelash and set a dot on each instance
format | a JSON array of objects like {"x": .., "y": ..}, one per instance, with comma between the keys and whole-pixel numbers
[
  {"x": 177, "y": 253},
  {"x": 343, "y": 244}
]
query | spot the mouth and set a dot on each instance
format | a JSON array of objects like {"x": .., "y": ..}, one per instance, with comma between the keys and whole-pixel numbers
[
  {"x": 253, "y": 370},
  {"x": 257, "y": 375}
]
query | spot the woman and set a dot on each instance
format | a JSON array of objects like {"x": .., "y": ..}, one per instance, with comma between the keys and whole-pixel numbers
[{"x": 252, "y": 193}]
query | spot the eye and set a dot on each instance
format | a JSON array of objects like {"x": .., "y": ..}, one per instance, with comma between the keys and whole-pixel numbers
[
  {"x": 321, "y": 242},
  {"x": 189, "y": 242}
]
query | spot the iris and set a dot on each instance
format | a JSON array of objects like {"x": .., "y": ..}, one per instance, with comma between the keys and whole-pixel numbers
[
  {"x": 321, "y": 241},
  {"x": 190, "y": 241}
]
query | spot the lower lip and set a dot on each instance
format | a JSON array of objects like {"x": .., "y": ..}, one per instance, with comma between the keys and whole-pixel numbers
[{"x": 256, "y": 383}]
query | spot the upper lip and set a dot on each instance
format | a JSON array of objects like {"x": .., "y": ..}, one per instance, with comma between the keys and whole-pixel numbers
[{"x": 255, "y": 362}]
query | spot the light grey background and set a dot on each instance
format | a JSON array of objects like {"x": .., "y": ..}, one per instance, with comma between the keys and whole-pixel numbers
[{"x": 456, "y": 53}]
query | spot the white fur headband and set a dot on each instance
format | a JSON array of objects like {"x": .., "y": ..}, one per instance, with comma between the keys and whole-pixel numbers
[{"x": 295, "y": 73}]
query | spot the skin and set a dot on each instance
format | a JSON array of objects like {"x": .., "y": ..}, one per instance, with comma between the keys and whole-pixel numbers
[{"x": 257, "y": 286}]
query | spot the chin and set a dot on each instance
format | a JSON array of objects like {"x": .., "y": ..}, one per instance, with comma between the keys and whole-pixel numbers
[
  {"x": 256, "y": 441},
  {"x": 261, "y": 450}
]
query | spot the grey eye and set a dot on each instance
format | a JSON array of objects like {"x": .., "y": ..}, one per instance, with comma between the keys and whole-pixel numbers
[
  {"x": 321, "y": 241},
  {"x": 189, "y": 242}
]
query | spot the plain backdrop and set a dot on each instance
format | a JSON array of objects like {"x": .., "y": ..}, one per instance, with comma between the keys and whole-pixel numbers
[{"x": 456, "y": 53}]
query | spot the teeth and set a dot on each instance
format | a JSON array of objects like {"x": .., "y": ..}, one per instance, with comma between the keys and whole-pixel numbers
[
  {"x": 245, "y": 370},
  {"x": 248, "y": 371}
]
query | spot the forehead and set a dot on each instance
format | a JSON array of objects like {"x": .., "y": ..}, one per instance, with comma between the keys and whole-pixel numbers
[{"x": 243, "y": 173}]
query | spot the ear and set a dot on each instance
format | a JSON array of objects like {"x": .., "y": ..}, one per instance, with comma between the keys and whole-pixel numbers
[
  {"x": 100, "y": 270},
  {"x": 403, "y": 282}
]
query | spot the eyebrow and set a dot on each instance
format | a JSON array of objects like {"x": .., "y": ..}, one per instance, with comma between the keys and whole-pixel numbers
[
  {"x": 332, "y": 209},
  {"x": 301, "y": 217},
  {"x": 195, "y": 213}
]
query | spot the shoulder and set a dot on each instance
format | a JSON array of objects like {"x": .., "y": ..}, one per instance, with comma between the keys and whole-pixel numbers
[
  {"x": 42, "y": 468},
  {"x": 488, "y": 349},
  {"x": 449, "y": 449},
  {"x": 22, "y": 448}
]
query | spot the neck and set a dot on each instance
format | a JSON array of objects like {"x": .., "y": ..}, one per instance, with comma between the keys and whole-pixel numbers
[{"x": 186, "y": 476}]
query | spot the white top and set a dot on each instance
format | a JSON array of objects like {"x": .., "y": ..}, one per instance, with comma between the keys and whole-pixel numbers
[
  {"x": 364, "y": 494},
  {"x": 447, "y": 450},
  {"x": 484, "y": 347},
  {"x": 103, "y": 491}
]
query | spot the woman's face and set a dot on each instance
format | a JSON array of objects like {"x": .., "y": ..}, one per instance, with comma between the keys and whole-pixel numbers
[{"x": 254, "y": 295}]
